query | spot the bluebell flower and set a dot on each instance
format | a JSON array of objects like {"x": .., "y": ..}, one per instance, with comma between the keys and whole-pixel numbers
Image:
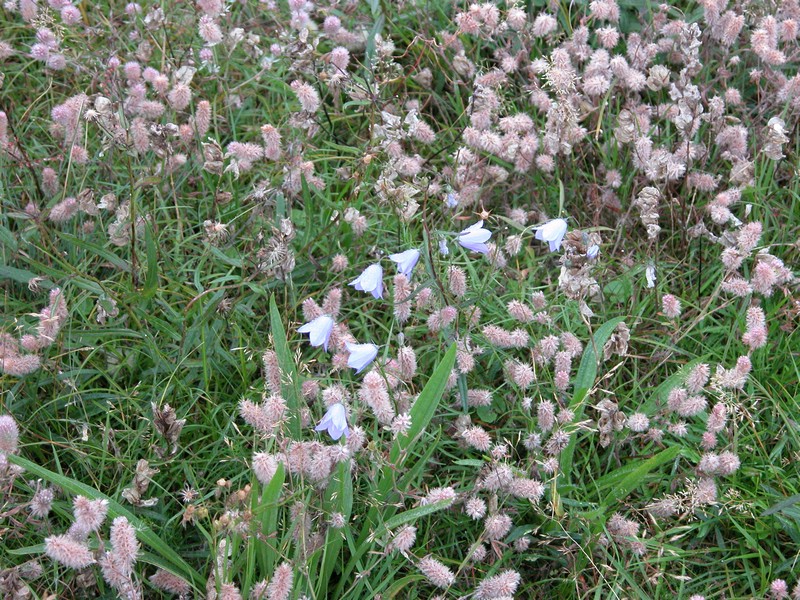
[
  {"x": 406, "y": 261},
  {"x": 361, "y": 355},
  {"x": 474, "y": 238},
  {"x": 552, "y": 232},
  {"x": 335, "y": 422},
  {"x": 370, "y": 281},
  {"x": 319, "y": 331}
]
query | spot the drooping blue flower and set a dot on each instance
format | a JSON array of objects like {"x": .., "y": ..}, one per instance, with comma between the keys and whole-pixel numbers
[
  {"x": 406, "y": 261},
  {"x": 474, "y": 238},
  {"x": 319, "y": 331},
  {"x": 370, "y": 281},
  {"x": 552, "y": 232},
  {"x": 361, "y": 355},
  {"x": 335, "y": 421}
]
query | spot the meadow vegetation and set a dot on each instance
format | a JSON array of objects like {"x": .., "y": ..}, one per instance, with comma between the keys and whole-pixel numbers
[{"x": 399, "y": 299}]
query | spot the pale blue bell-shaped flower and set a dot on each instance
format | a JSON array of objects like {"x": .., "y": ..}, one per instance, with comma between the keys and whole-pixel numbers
[
  {"x": 552, "y": 232},
  {"x": 335, "y": 421},
  {"x": 406, "y": 261},
  {"x": 319, "y": 331},
  {"x": 474, "y": 238},
  {"x": 361, "y": 355},
  {"x": 370, "y": 281}
]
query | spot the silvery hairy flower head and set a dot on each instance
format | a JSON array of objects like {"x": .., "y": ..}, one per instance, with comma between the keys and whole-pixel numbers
[
  {"x": 552, "y": 232},
  {"x": 319, "y": 331},
  {"x": 370, "y": 281},
  {"x": 406, "y": 261},
  {"x": 361, "y": 355},
  {"x": 335, "y": 422},
  {"x": 474, "y": 238}
]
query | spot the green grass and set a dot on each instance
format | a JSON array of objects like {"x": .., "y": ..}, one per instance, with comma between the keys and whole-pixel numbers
[{"x": 195, "y": 317}]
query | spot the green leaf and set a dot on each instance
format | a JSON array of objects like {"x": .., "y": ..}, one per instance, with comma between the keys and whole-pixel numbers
[
  {"x": 584, "y": 381},
  {"x": 290, "y": 383},
  {"x": 627, "y": 478},
  {"x": 151, "y": 278},
  {"x": 469, "y": 462},
  {"x": 98, "y": 251},
  {"x": 782, "y": 506},
  {"x": 338, "y": 498},
  {"x": 267, "y": 509},
  {"x": 587, "y": 371},
  {"x": 415, "y": 513},
  {"x": 424, "y": 408},
  {"x": 421, "y": 414},
  {"x": 403, "y": 585},
  {"x": 21, "y": 276}
]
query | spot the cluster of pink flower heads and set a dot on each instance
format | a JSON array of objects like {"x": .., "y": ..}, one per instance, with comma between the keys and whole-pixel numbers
[
  {"x": 266, "y": 416},
  {"x": 481, "y": 19},
  {"x": 756, "y": 334},
  {"x": 311, "y": 459},
  {"x": 670, "y": 306},
  {"x": 436, "y": 572},
  {"x": 70, "y": 549},
  {"x": 117, "y": 564},
  {"x": 19, "y": 358},
  {"x": 735, "y": 377},
  {"x": 47, "y": 47},
  {"x": 625, "y": 532}
]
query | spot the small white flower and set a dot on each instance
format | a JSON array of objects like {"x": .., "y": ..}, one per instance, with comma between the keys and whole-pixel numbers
[
  {"x": 593, "y": 251},
  {"x": 319, "y": 331},
  {"x": 406, "y": 261},
  {"x": 552, "y": 232},
  {"x": 443, "y": 249},
  {"x": 452, "y": 200},
  {"x": 650, "y": 275},
  {"x": 335, "y": 422},
  {"x": 474, "y": 238},
  {"x": 370, "y": 281},
  {"x": 360, "y": 355}
]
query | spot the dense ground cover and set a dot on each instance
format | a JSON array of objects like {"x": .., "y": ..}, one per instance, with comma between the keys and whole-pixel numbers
[{"x": 399, "y": 299}]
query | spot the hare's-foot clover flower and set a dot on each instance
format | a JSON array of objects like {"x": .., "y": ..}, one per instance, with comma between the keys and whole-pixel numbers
[
  {"x": 552, "y": 232},
  {"x": 406, "y": 261},
  {"x": 319, "y": 331},
  {"x": 335, "y": 422},
  {"x": 361, "y": 355},
  {"x": 474, "y": 238},
  {"x": 370, "y": 281}
]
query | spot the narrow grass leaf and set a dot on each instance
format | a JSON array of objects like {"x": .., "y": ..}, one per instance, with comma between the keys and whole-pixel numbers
[{"x": 290, "y": 384}]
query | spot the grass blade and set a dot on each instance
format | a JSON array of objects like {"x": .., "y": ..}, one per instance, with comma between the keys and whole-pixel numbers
[{"x": 290, "y": 383}]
